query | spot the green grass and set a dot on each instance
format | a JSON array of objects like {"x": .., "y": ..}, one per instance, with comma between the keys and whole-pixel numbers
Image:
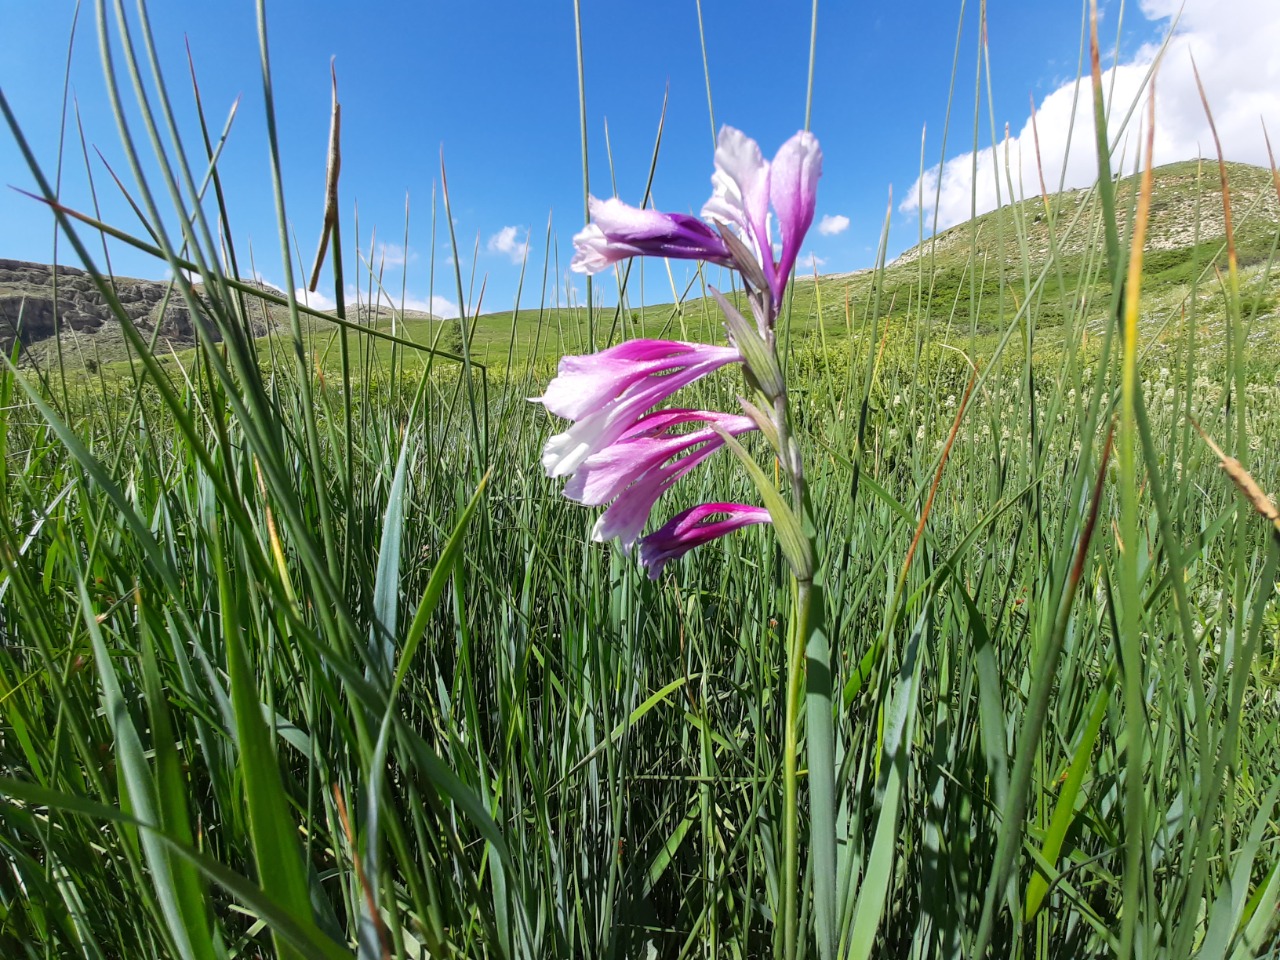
[{"x": 303, "y": 655}]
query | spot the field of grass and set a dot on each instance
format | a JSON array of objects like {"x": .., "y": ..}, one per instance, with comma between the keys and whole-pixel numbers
[{"x": 302, "y": 654}]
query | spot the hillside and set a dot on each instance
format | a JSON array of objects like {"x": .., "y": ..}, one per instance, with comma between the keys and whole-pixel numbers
[
  {"x": 971, "y": 279},
  {"x": 1184, "y": 195},
  {"x": 968, "y": 281},
  {"x": 30, "y": 299}
]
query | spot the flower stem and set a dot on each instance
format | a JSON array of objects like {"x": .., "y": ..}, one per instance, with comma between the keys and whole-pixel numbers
[
  {"x": 790, "y": 768},
  {"x": 808, "y": 671}
]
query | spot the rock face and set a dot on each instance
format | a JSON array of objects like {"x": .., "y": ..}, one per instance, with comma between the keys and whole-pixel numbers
[
  {"x": 33, "y": 308},
  {"x": 30, "y": 302}
]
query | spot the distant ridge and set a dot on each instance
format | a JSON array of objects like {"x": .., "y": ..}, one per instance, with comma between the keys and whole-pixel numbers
[
  {"x": 1183, "y": 194},
  {"x": 1184, "y": 236},
  {"x": 29, "y": 305}
]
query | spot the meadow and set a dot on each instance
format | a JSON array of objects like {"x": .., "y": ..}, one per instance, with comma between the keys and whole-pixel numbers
[{"x": 303, "y": 655}]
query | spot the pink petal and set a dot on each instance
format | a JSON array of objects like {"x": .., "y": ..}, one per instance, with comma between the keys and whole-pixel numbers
[
  {"x": 592, "y": 251},
  {"x": 586, "y": 383},
  {"x": 619, "y": 231},
  {"x": 793, "y": 188},
  {"x": 565, "y": 452},
  {"x": 618, "y": 219},
  {"x": 626, "y": 516},
  {"x": 647, "y": 446}
]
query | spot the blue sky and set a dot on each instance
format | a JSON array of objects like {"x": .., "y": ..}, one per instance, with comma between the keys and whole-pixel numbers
[{"x": 494, "y": 84}]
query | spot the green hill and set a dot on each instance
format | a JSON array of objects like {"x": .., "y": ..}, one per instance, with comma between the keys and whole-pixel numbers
[{"x": 962, "y": 286}]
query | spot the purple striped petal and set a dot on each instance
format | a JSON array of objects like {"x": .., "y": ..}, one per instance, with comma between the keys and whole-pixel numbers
[
  {"x": 586, "y": 383},
  {"x": 619, "y": 231},
  {"x": 694, "y": 527},
  {"x": 740, "y": 193},
  {"x": 744, "y": 185},
  {"x": 626, "y": 516}
]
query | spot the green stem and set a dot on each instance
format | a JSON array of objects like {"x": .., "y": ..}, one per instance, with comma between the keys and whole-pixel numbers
[
  {"x": 808, "y": 670},
  {"x": 790, "y": 769},
  {"x": 820, "y": 751}
]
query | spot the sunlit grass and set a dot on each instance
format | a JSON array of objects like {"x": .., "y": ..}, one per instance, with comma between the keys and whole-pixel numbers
[{"x": 337, "y": 669}]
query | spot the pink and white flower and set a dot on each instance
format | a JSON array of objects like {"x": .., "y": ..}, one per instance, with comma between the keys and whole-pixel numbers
[
  {"x": 625, "y": 519},
  {"x": 605, "y": 393},
  {"x": 621, "y": 451},
  {"x": 618, "y": 231},
  {"x": 744, "y": 186},
  {"x": 651, "y": 442}
]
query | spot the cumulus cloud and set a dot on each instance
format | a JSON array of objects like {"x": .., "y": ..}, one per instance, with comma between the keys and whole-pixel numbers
[
  {"x": 393, "y": 255},
  {"x": 830, "y": 225},
  {"x": 316, "y": 301},
  {"x": 440, "y": 306},
  {"x": 1234, "y": 43},
  {"x": 812, "y": 262},
  {"x": 507, "y": 241}
]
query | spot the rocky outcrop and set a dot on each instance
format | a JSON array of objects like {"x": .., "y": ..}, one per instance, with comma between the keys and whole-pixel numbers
[
  {"x": 32, "y": 304},
  {"x": 33, "y": 307}
]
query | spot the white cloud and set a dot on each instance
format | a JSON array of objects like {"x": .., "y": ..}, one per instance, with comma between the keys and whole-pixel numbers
[
  {"x": 316, "y": 301},
  {"x": 830, "y": 225},
  {"x": 1234, "y": 43},
  {"x": 507, "y": 242},
  {"x": 812, "y": 262},
  {"x": 393, "y": 255},
  {"x": 440, "y": 306}
]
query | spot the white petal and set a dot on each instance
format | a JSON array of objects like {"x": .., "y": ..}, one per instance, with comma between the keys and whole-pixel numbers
[
  {"x": 590, "y": 251},
  {"x": 740, "y": 185}
]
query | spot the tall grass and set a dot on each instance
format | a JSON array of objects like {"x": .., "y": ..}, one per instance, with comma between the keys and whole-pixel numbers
[{"x": 316, "y": 666}]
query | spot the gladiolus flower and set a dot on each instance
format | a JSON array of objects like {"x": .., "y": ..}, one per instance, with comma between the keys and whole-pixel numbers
[
  {"x": 643, "y": 448},
  {"x": 744, "y": 186},
  {"x": 606, "y": 393},
  {"x": 619, "y": 450},
  {"x": 625, "y": 519},
  {"x": 694, "y": 527},
  {"x": 618, "y": 231},
  {"x": 639, "y": 468}
]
